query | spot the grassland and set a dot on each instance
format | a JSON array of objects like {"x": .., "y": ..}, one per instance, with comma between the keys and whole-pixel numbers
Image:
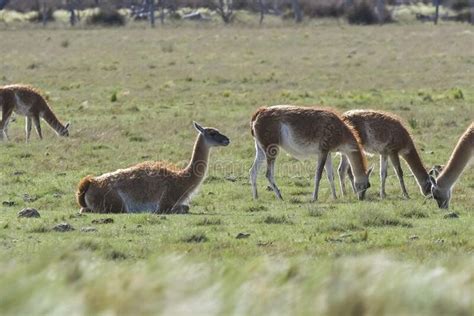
[{"x": 131, "y": 95}]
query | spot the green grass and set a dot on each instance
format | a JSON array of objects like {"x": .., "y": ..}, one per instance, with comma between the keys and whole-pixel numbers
[{"x": 131, "y": 95}]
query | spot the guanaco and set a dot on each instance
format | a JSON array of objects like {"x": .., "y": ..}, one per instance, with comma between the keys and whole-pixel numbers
[
  {"x": 150, "y": 186},
  {"x": 385, "y": 134},
  {"x": 304, "y": 132},
  {"x": 27, "y": 101},
  {"x": 442, "y": 186}
]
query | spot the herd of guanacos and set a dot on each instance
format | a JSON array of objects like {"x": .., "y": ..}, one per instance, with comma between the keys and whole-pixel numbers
[{"x": 301, "y": 131}]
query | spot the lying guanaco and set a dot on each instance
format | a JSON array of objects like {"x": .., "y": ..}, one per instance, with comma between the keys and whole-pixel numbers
[
  {"x": 384, "y": 133},
  {"x": 305, "y": 132},
  {"x": 27, "y": 101},
  {"x": 150, "y": 186},
  {"x": 442, "y": 186}
]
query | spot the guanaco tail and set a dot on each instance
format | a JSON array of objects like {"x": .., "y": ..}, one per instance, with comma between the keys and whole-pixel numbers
[
  {"x": 460, "y": 158},
  {"x": 384, "y": 134},
  {"x": 27, "y": 101},
  {"x": 150, "y": 186},
  {"x": 305, "y": 132}
]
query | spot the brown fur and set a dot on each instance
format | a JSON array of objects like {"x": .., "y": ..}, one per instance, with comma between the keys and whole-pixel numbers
[
  {"x": 254, "y": 117},
  {"x": 149, "y": 186},
  {"x": 385, "y": 134},
  {"x": 82, "y": 188},
  {"x": 461, "y": 156},
  {"x": 28, "y": 101},
  {"x": 305, "y": 131},
  {"x": 309, "y": 124}
]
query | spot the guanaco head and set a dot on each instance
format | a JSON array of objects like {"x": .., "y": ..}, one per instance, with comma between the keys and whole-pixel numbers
[
  {"x": 362, "y": 184},
  {"x": 441, "y": 195},
  {"x": 65, "y": 130},
  {"x": 212, "y": 136}
]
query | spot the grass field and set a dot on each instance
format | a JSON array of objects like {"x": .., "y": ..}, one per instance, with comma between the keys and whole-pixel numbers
[{"x": 131, "y": 95}]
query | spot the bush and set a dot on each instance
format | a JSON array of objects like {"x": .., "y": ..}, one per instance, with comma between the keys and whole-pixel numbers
[
  {"x": 107, "y": 17},
  {"x": 365, "y": 12},
  {"x": 38, "y": 18},
  {"x": 323, "y": 8}
]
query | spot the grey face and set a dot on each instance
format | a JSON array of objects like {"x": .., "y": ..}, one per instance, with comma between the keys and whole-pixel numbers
[
  {"x": 441, "y": 195},
  {"x": 361, "y": 189},
  {"x": 212, "y": 136},
  {"x": 65, "y": 131}
]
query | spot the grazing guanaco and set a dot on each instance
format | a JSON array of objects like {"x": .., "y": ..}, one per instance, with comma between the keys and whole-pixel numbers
[
  {"x": 384, "y": 134},
  {"x": 150, "y": 186},
  {"x": 303, "y": 132},
  {"x": 27, "y": 101},
  {"x": 442, "y": 186}
]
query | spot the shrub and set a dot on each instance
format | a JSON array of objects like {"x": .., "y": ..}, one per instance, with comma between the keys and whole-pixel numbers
[
  {"x": 323, "y": 8},
  {"x": 107, "y": 17},
  {"x": 364, "y": 12},
  {"x": 38, "y": 18}
]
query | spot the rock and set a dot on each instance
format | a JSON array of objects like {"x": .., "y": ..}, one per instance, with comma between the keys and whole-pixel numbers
[
  {"x": 88, "y": 229},
  {"x": 413, "y": 237},
  {"x": 242, "y": 235},
  {"x": 451, "y": 215},
  {"x": 231, "y": 178},
  {"x": 107, "y": 220},
  {"x": 8, "y": 203},
  {"x": 29, "y": 198},
  {"x": 63, "y": 227},
  {"x": 29, "y": 212}
]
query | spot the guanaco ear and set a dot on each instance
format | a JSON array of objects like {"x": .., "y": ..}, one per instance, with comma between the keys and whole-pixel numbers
[
  {"x": 67, "y": 125},
  {"x": 198, "y": 127}
]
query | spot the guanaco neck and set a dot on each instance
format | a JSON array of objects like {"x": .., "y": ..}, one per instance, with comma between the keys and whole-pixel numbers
[
  {"x": 356, "y": 158},
  {"x": 459, "y": 159},
  {"x": 197, "y": 166},
  {"x": 52, "y": 120},
  {"x": 416, "y": 166}
]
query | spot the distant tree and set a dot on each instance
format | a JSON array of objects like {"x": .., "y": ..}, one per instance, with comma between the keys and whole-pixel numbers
[
  {"x": 225, "y": 8},
  {"x": 261, "y": 6},
  {"x": 471, "y": 4},
  {"x": 3, "y": 3},
  {"x": 151, "y": 11},
  {"x": 381, "y": 11},
  {"x": 437, "y": 3},
  {"x": 72, "y": 7},
  {"x": 297, "y": 10}
]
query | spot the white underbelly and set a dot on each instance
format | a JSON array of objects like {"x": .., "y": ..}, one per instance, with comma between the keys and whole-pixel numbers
[
  {"x": 21, "y": 108},
  {"x": 298, "y": 149},
  {"x": 133, "y": 206}
]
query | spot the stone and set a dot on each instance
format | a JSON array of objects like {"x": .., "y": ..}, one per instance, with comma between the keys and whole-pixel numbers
[
  {"x": 88, "y": 229},
  {"x": 242, "y": 235},
  {"x": 29, "y": 212},
  {"x": 107, "y": 220},
  {"x": 63, "y": 227}
]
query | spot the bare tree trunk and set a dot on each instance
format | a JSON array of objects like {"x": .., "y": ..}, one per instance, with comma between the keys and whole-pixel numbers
[
  {"x": 162, "y": 11},
  {"x": 44, "y": 11},
  {"x": 3, "y": 3},
  {"x": 261, "y": 4},
  {"x": 72, "y": 12},
  {"x": 436, "y": 12},
  {"x": 297, "y": 10},
  {"x": 471, "y": 5},
  {"x": 151, "y": 12},
  {"x": 225, "y": 10},
  {"x": 381, "y": 11}
]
